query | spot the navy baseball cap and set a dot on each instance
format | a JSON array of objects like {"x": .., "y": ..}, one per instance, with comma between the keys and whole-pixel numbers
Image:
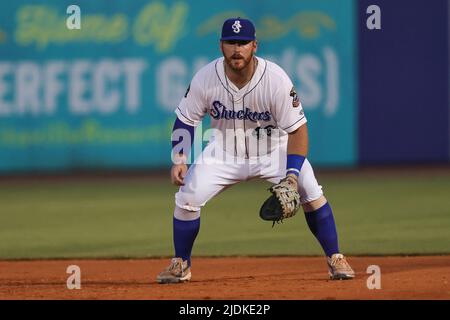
[{"x": 238, "y": 29}]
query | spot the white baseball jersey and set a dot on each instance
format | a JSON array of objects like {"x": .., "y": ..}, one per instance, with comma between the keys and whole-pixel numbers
[{"x": 267, "y": 102}]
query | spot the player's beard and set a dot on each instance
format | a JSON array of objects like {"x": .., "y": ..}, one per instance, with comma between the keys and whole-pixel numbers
[{"x": 238, "y": 63}]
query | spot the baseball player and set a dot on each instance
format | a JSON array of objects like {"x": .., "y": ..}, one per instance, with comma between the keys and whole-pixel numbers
[{"x": 249, "y": 100}]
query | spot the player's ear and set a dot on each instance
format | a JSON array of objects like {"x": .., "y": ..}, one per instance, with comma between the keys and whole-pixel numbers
[{"x": 255, "y": 46}]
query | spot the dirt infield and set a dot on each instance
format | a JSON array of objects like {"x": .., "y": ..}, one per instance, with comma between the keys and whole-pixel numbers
[{"x": 268, "y": 278}]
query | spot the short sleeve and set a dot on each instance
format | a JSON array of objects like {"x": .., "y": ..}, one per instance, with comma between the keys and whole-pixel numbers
[
  {"x": 289, "y": 113},
  {"x": 192, "y": 107}
]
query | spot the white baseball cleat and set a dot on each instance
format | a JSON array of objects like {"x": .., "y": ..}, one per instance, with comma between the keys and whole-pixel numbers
[
  {"x": 339, "y": 268},
  {"x": 178, "y": 271}
]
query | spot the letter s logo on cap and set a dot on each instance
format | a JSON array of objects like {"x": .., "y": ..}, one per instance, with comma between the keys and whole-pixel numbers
[{"x": 236, "y": 26}]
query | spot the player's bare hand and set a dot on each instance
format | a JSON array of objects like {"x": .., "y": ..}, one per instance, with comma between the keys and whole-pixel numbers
[{"x": 178, "y": 173}]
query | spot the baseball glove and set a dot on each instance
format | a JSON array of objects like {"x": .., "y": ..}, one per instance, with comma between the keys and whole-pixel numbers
[{"x": 283, "y": 203}]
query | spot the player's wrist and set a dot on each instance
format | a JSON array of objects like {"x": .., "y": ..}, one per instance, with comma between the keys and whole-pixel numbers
[
  {"x": 294, "y": 164},
  {"x": 292, "y": 176},
  {"x": 179, "y": 158}
]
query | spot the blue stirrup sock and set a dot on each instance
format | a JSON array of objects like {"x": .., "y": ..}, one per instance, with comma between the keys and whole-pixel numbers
[
  {"x": 184, "y": 234},
  {"x": 322, "y": 225}
]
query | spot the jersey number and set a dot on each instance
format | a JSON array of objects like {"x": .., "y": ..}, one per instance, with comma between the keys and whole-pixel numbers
[{"x": 259, "y": 134}]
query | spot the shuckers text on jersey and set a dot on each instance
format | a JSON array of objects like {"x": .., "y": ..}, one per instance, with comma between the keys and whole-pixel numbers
[{"x": 220, "y": 111}]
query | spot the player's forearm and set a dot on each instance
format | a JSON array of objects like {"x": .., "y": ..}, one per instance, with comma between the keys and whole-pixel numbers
[
  {"x": 298, "y": 141},
  {"x": 182, "y": 139},
  {"x": 297, "y": 150}
]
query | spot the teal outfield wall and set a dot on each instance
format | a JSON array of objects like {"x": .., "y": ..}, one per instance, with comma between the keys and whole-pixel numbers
[{"x": 103, "y": 97}]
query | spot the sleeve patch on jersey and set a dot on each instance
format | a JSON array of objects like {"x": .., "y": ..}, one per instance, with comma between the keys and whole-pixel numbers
[
  {"x": 187, "y": 90},
  {"x": 295, "y": 99}
]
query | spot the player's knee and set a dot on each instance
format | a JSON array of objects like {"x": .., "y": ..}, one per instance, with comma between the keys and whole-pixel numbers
[
  {"x": 185, "y": 215},
  {"x": 188, "y": 202},
  {"x": 314, "y": 204}
]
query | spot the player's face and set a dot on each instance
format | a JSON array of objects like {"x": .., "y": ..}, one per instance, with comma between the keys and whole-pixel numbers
[{"x": 238, "y": 54}]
